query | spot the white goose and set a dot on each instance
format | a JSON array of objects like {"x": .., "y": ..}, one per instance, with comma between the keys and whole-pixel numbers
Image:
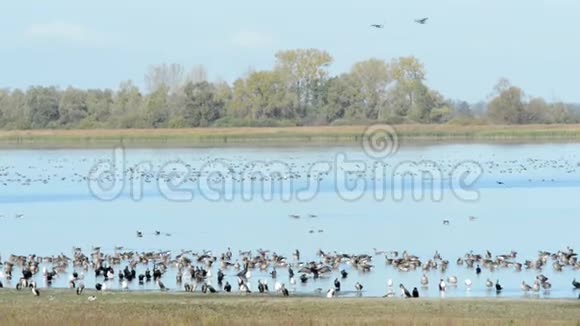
[
  {"x": 468, "y": 284},
  {"x": 424, "y": 280}
]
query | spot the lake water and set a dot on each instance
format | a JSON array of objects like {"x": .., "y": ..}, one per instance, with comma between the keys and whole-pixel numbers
[{"x": 523, "y": 197}]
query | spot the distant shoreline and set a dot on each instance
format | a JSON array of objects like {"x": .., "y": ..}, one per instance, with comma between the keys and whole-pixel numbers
[{"x": 285, "y": 136}]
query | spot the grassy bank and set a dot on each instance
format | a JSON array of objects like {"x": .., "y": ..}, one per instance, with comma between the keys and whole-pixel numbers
[
  {"x": 64, "y": 308},
  {"x": 291, "y": 135}
]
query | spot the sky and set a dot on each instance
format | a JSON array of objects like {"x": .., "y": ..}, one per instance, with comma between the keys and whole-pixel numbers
[{"x": 466, "y": 45}]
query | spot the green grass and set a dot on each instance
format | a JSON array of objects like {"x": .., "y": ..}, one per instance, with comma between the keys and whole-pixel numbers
[
  {"x": 344, "y": 135},
  {"x": 63, "y": 308}
]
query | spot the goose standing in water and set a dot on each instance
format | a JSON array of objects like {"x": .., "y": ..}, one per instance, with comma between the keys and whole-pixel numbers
[
  {"x": 390, "y": 293},
  {"x": 261, "y": 288},
  {"x": 358, "y": 287},
  {"x": 575, "y": 284},
  {"x": 489, "y": 283},
  {"x": 296, "y": 254},
  {"x": 536, "y": 286},
  {"x": 220, "y": 276},
  {"x": 415, "y": 293},
  {"x": 404, "y": 292},
  {"x": 285, "y": 292},
  {"x": 468, "y": 284},
  {"x": 227, "y": 287},
  {"x": 124, "y": 285},
  {"x": 452, "y": 280},
  {"x": 442, "y": 287},
  {"x": 34, "y": 289},
  {"x": 99, "y": 287},
  {"x": 498, "y": 287},
  {"x": 161, "y": 285},
  {"x": 331, "y": 293},
  {"x": 336, "y": 284},
  {"x": 277, "y": 286},
  {"x": 424, "y": 281},
  {"x": 546, "y": 285},
  {"x": 478, "y": 270},
  {"x": 343, "y": 273},
  {"x": 526, "y": 287},
  {"x": 207, "y": 287},
  {"x": 244, "y": 288}
]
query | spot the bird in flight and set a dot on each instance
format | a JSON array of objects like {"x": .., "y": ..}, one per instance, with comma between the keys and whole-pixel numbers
[
  {"x": 377, "y": 25},
  {"x": 422, "y": 21}
]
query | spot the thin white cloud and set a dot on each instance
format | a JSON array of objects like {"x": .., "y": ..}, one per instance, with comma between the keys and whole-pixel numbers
[
  {"x": 252, "y": 39},
  {"x": 61, "y": 31}
]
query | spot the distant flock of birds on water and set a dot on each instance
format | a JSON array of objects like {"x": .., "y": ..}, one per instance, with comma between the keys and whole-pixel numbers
[{"x": 195, "y": 270}]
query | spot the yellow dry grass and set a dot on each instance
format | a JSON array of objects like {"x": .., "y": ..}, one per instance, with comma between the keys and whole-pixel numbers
[{"x": 65, "y": 308}]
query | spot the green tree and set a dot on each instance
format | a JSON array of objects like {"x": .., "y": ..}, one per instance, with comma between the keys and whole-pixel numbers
[
  {"x": 508, "y": 105},
  {"x": 203, "y": 106},
  {"x": 156, "y": 108},
  {"x": 42, "y": 107},
  {"x": 72, "y": 107},
  {"x": 13, "y": 107},
  {"x": 127, "y": 106},
  {"x": 372, "y": 77},
  {"x": 304, "y": 71},
  {"x": 344, "y": 99},
  {"x": 99, "y": 106},
  {"x": 409, "y": 98},
  {"x": 263, "y": 95}
]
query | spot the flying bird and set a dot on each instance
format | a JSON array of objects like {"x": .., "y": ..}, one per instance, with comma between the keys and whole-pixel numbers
[
  {"x": 421, "y": 21},
  {"x": 378, "y": 25}
]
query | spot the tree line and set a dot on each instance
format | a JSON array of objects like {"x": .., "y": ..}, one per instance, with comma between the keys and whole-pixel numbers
[{"x": 297, "y": 91}]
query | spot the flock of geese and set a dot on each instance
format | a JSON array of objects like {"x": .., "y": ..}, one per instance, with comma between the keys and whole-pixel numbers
[
  {"x": 237, "y": 169},
  {"x": 199, "y": 271}
]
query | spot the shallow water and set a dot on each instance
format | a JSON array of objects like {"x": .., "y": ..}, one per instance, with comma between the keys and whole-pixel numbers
[{"x": 525, "y": 199}]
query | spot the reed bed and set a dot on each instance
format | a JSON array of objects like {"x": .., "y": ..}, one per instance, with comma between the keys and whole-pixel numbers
[{"x": 348, "y": 135}]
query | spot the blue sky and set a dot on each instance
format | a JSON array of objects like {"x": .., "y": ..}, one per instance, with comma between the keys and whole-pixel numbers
[{"x": 466, "y": 46}]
